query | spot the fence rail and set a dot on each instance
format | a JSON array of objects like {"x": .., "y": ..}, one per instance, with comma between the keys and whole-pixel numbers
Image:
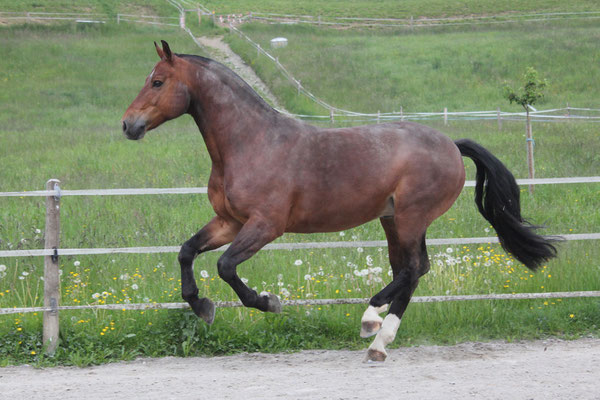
[
  {"x": 272, "y": 246},
  {"x": 313, "y": 302},
  {"x": 418, "y": 22}
]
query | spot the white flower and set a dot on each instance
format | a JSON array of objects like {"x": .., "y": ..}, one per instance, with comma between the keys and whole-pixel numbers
[
  {"x": 96, "y": 296},
  {"x": 104, "y": 294},
  {"x": 135, "y": 286},
  {"x": 376, "y": 270},
  {"x": 466, "y": 258},
  {"x": 124, "y": 277},
  {"x": 244, "y": 280},
  {"x": 298, "y": 262},
  {"x": 369, "y": 261},
  {"x": 21, "y": 277},
  {"x": 342, "y": 233},
  {"x": 357, "y": 272},
  {"x": 487, "y": 230},
  {"x": 77, "y": 263},
  {"x": 204, "y": 273},
  {"x": 2, "y": 267},
  {"x": 307, "y": 277},
  {"x": 360, "y": 249},
  {"x": 284, "y": 292},
  {"x": 364, "y": 272},
  {"x": 449, "y": 250},
  {"x": 38, "y": 231},
  {"x": 25, "y": 273}
]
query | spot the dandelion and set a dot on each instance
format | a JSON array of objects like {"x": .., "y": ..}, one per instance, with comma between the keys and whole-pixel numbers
[
  {"x": 77, "y": 263},
  {"x": 38, "y": 231},
  {"x": 96, "y": 296},
  {"x": 25, "y": 273},
  {"x": 204, "y": 273},
  {"x": 2, "y": 267},
  {"x": 342, "y": 233},
  {"x": 33, "y": 353},
  {"x": 360, "y": 249},
  {"x": 369, "y": 261},
  {"x": 298, "y": 263},
  {"x": 449, "y": 250},
  {"x": 307, "y": 277},
  {"x": 571, "y": 315},
  {"x": 244, "y": 280},
  {"x": 135, "y": 286}
]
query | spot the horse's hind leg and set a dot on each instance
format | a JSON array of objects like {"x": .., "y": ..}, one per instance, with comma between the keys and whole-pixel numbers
[
  {"x": 214, "y": 235},
  {"x": 408, "y": 258}
]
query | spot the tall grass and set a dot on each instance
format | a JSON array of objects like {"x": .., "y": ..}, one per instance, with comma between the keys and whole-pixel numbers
[{"x": 65, "y": 89}]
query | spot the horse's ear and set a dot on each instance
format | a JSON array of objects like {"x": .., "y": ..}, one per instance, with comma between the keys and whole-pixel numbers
[
  {"x": 159, "y": 51},
  {"x": 166, "y": 51}
]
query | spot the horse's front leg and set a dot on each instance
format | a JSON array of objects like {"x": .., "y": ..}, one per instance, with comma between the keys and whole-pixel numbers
[
  {"x": 255, "y": 233},
  {"x": 215, "y": 234}
]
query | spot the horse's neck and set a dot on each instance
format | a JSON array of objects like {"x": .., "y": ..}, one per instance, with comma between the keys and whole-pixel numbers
[{"x": 230, "y": 115}]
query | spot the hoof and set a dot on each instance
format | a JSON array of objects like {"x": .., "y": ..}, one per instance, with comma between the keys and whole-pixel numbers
[
  {"x": 204, "y": 308},
  {"x": 370, "y": 328},
  {"x": 375, "y": 356},
  {"x": 273, "y": 303}
]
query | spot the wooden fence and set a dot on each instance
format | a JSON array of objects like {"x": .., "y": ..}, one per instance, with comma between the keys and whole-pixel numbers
[{"x": 52, "y": 252}]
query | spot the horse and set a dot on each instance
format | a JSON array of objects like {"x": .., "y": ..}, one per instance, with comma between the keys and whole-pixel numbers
[{"x": 273, "y": 174}]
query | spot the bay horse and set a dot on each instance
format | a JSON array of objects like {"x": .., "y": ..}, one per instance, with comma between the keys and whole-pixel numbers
[{"x": 273, "y": 174}]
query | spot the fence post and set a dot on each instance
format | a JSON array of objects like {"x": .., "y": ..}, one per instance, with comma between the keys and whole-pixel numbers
[
  {"x": 401, "y": 113},
  {"x": 118, "y": 19},
  {"x": 445, "y": 115},
  {"x": 331, "y": 115},
  {"x": 182, "y": 20},
  {"x": 499, "y": 120},
  {"x": 51, "y": 270},
  {"x": 530, "y": 145}
]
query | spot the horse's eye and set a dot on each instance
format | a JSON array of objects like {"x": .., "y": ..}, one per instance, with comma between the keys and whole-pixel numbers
[{"x": 157, "y": 83}]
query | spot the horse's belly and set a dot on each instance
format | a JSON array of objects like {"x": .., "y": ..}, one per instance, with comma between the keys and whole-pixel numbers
[{"x": 331, "y": 216}]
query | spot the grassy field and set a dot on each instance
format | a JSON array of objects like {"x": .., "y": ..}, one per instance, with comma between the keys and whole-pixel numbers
[
  {"x": 64, "y": 89},
  {"x": 396, "y": 9},
  {"x": 337, "y": 8},
  {"x": 428, "y": 70}
]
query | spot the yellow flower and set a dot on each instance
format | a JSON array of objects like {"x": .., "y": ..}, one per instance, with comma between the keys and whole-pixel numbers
[
  {"x": 32, "y": 353},
  {"x": 571, "y": 315}
]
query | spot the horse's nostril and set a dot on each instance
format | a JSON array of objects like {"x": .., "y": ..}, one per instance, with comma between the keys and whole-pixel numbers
[{"x": 124, "y": 126}]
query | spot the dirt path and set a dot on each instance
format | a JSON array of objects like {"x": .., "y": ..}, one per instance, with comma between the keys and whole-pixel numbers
[
  {"x": 545, "y": 370},
  {"x": 220, "y": 51}
]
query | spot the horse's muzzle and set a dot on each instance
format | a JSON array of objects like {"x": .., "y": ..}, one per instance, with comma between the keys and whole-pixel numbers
[{"x": 134, "y": 130}]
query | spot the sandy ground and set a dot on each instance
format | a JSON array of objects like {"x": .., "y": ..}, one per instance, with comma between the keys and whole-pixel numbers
[{"x": 550, "y": 369}]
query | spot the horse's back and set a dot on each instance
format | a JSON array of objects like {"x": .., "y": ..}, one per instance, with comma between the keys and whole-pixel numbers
[{"x": 348, "y": 176}]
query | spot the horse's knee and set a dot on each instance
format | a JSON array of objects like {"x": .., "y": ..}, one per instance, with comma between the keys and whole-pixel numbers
[
  {"x": 226, "y": 268},
  {"x": 186, "y": 254},
  {"x": 424, "y": 267}
]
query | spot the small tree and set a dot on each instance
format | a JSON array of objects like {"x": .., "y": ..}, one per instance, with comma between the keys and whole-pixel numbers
[{"x": 527, "y": 96}]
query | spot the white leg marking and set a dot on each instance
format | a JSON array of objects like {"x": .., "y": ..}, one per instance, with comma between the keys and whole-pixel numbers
[
  {"x": 371, "y": 321},
  {"x": 386, "y": 335}
]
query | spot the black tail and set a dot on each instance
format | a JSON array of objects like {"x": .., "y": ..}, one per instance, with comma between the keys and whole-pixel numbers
[{"x": 497, "y": 197}]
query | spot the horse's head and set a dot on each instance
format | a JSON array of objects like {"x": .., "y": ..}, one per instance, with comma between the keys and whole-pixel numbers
[{"x": 164, "y": 96}]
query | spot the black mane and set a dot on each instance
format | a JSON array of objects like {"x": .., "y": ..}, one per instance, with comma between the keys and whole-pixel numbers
[{"x": 238, "y": 84}]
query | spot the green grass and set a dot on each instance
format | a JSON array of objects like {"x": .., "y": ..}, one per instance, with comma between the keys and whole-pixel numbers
[
  {"x": 428, "y": 70},
  {"x": 64, "y": 89},
  {"x": 396, "y": 9}
]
